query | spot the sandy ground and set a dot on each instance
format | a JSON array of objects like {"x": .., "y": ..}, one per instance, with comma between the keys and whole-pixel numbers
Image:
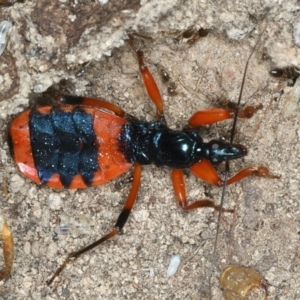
[{"x": 52, "y": 41}]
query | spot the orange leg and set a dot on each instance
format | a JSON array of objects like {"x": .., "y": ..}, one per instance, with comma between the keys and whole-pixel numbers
[
  {"x": 180, "y": 193},
  {"x": 214, "y": 115},
  {"x": 205, "y": 171},
  {"x": 76, "y": 100},
  {"x": 149, "y": 82},
  {"x": 117, "y": 228}
]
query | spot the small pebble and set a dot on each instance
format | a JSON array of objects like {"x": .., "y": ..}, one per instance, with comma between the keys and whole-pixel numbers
[{"x": 173, "y": 266}]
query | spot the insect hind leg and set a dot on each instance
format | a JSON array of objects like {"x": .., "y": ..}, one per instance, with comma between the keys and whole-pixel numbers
[
  {"x": 122, "y": 219},
  {"x": 77, "y": 100}
]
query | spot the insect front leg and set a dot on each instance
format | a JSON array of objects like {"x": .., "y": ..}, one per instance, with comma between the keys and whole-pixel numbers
[
  {"x": 214, "y": 115},
  {"x": 180, "y": 193},
  {"x": 122, "y": 219},
  {"x": 206, "y": 172}
]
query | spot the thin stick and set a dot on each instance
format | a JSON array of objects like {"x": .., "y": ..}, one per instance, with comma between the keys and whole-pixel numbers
[{"x": 227, "y": 168}]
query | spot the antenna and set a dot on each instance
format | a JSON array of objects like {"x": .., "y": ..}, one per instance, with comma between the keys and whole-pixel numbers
[{"x": 227, "y": 168}]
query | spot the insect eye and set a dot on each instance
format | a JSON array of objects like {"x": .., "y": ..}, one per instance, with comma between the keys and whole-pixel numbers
[{"x": 215, "y": 146}]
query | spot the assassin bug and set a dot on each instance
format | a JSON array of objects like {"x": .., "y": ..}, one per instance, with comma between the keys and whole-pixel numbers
[{"x": 78, "y": 144}]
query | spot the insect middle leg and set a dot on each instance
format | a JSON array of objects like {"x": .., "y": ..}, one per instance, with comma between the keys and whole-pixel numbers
[{"x": 122, "y": 219}]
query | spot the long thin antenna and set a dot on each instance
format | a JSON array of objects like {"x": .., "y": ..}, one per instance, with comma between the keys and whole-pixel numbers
[{"x": 227, "y": 169}]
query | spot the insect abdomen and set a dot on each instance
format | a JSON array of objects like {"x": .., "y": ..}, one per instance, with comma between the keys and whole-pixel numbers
[{"x": 68, "y": 146}]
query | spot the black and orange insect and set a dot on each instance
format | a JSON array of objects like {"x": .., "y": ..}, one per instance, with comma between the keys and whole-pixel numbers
[{"x": 79, "y": 144}]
